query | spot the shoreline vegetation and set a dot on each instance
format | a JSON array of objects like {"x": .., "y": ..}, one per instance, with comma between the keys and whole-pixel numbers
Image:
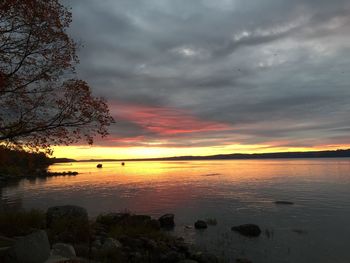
[
  {"x": 19, "y": 164},
  {"x": 67, "y": 234}
]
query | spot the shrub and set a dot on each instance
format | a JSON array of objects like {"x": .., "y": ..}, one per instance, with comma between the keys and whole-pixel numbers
[{"x": 16, "y": 223}]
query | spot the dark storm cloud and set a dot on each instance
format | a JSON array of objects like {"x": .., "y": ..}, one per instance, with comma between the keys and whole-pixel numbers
[{"x": 271, "y": 70}]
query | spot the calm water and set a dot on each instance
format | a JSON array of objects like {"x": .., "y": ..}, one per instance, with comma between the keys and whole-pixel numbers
[{"x": 233, "y": 192}]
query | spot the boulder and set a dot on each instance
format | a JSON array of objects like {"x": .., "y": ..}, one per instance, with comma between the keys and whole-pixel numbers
[
  {"x": 68, "y": 224},
  {"x": 167, "y": 220},
  {"x": 97, "y": 243},
  {"x": 111, "y": 244},
  {"x": 33, "y": 248},
  {"x": 200, "y": 224},
  {"x": 57, "y": 259},
  {"x": 243, "y": 260},
  {"x": 134, "y": 243},
  {"x": 99, "y": 165},
  {"x": 203, "y": 257},
  {"x": 172, "y": 257},
  {"x": 249, "y": 230},
  {"x": 63, "y": 250},
  {"x": 66, "y": 212},
  {"x": 137, "y": 220},
  {"x": 284, "y": 203},
  {"x": 110, "y": 219},
  {"x": 154, "y": 224},
  {"x": 148, "y": 243}
]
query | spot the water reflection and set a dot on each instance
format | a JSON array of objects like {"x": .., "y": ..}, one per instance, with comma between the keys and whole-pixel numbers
[{"x": 233, "y": 192}]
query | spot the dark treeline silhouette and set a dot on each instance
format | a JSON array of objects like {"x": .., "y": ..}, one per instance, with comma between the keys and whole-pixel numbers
[
  {"x": 277, "y": 155},
  {"x": 19, "y": 162},
  {"x": 238, "y": 156}
]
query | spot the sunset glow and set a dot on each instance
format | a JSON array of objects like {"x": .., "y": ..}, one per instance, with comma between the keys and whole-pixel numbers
[
  {"x": 97, "y": 152},
  {"x": 250, "y": 87}
]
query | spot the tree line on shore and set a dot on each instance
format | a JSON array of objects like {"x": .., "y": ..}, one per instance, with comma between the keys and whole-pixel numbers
[{"x": 18, "y": 162}]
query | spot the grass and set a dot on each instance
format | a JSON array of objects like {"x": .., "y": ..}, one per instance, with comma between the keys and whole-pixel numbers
[
  {"x": 21, "y": 222},
  {"x": 5, "y": 242}
]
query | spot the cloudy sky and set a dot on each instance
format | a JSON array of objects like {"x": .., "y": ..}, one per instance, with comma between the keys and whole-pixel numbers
[{"x": 204, "y": 77}]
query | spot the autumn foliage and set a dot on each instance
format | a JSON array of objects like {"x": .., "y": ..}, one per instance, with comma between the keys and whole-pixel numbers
[{"x": 41, "y": 102}]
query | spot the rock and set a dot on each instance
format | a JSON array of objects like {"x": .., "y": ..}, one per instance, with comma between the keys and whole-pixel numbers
[
  {"x": 243, "y": 260},
  {"x": 172, "y": 257},
  {"x": 167, "y": 220},
  {"x": 56, "y": 259},
  {"x": 136, "y": 256},
  {"x": 249, "y": 230},
  {"x": 82, "y": 250},
  {"x": 33, "y": 248},
  {"x": 200, "y": 224},
  {"x": 63, "y": 250},
  {"x": 206, "y": 258},
  {"x": 137, "y": 220},
  {"x": 68, "y": 224},
  {"x": 66, "y": 212},
  {"x": 299, "y": 231},
  {"x": 111, "y": 244},
  {"x": 97, "y": 243},
  {"x": 148, "y": 243},
  {"x": 284, "y": 203},
  {"x": 111, "y": 219},
  {"x": 154, "y": 224},
  {"x": 133, "y": 243},
  {"x": 99, "y": 165}
]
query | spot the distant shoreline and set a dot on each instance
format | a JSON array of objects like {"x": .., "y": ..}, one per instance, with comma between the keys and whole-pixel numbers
[{"x": 235, "y": 156}]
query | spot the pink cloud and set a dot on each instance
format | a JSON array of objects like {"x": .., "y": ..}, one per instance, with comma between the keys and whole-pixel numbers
[{"x": 164, "y": 121}]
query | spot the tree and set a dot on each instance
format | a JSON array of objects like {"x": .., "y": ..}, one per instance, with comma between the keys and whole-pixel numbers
[{"x": 41, "y": 103}]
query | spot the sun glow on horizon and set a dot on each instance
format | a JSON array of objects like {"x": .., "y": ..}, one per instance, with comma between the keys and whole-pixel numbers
[{"x": 79, "y": 152}]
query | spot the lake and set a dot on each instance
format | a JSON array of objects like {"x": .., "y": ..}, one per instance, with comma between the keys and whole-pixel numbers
[{"x": 315, "y": 229}]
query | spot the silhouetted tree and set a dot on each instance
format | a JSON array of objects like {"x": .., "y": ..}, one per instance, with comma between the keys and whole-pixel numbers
[{"x": 40, "y": 105}]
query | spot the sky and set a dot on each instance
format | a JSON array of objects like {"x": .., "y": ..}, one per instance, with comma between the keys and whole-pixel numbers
[{"x": 199, "y": 77}]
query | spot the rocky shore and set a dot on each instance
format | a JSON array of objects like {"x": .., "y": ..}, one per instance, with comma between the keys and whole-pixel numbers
[
  {"x": 4, "y": 178},
  {"x": 66, "y": 234}
]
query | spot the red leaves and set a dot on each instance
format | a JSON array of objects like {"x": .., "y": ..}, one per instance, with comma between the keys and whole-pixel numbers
[{"x": 37, "y": 109}]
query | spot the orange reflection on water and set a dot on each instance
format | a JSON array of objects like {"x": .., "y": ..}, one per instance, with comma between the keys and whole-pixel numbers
[{"x": 157, "y": 187}]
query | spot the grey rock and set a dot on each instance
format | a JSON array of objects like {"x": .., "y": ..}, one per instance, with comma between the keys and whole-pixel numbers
[
  {"x": 97, "y": 243},
  {"x": 249, "y": 230},
  {"x": 82, "y": 250},
  {"x": 33, "y": 248},
  {"x": 243, "y": 260},
  {"x": 172, "y": 257},
  {"x": 206, "y": 258},
  {"x": 128, "y": 241},
  {"x": 110, "y": 219},
  {"x": 284, "y": 203},
  {"x": 56, "y": 259},
  {"x": 64, "y": 250},
  {"x": 167, "y": 220},
  {"x": 136, "y": 256},
  {"x": 111, "y": 244},
  {"x": 154, "y": 224},
  {"x": 200, "y": 224},
  {"x": 148, "y": 243}
]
